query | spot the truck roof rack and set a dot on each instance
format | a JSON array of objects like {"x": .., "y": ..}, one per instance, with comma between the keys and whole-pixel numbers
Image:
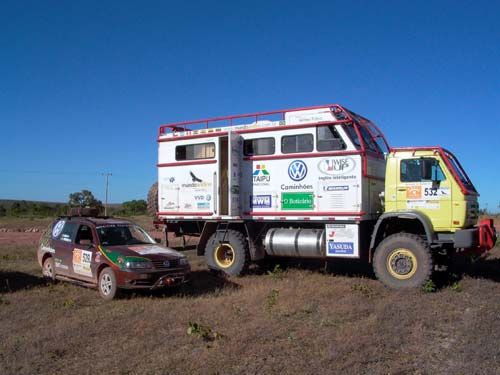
[{"x": 342, "y": 114}]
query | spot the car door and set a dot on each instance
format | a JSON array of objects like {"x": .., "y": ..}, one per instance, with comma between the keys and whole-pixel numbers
[
  {"x": 63, "y": 234},
  {"x": 83, "y": 253}
]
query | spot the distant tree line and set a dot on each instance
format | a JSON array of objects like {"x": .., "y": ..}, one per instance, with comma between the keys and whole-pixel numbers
[{"x": 84, "y": 198}]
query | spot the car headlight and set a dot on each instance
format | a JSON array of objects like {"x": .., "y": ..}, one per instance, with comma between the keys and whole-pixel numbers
[
  {"x": 138, "y": 265},
  {"x": 183, "y": 262}
]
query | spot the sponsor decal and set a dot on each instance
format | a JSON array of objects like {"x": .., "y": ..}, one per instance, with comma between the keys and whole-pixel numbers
[
  {"x": 342, "y": 240},
  {"x": 297, "y": 170},
  {"x": 199, "y": 197},
  {"x": 97, "y": 257},
  {"x": 336, "y": 166},
  {"x": 188, "y": 206},
  {"x": 336, "y": 188},
  {"x": 340, "y": 248},
  {"x": 208, "y": 197},
  {"x": 260, "y": 201},
  {"x": 48, "y": 249},
  {"x": 194, "y": 178},
  {"x": 414, "y": 192},
  {"x": 81, "y": 262},
  {"x": 197, "y": 185},
  {"x": 58, "y": 264},
  {"x": 297, "y": 201},
  {"x": 151, "y": 249},
  {"x": 203, "y": 205},
  {"x": 171, "y": 180},
  {"x": 56, "y": 231},
  {"x": 261, "y": 175},
  {"x": 296, "y": 187},
  {"x": 170, "y": 205}
]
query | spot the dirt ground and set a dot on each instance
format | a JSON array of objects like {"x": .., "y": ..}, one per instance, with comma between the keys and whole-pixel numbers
[{"x": 302, "y": 318}]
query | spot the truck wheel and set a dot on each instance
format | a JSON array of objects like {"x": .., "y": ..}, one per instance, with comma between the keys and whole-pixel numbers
[
  {"x": 231, "y": 257},
  {"x": 107, "y": 285},
  {"x": 403, "y": 260},
  {"x": 49, "y": 269},
  {"x": 153, "y": 200}
]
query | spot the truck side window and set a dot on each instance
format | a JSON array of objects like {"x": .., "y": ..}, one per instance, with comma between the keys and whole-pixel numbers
[
  {"x": 297, "y": 143},
  {"x": 194, "y": 152},
  {"x": 328, "y": 139},
  {"x": 349, "y": 129},
  {"x": 411, "y": 171},
  {"x": 259, "y": 146}
]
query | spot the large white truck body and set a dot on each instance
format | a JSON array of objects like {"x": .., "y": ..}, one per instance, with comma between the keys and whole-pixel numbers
[{"x": 338, "y": 189}]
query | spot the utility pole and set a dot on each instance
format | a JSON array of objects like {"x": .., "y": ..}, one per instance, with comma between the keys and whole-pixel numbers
[{"x": 107, "y": 175}]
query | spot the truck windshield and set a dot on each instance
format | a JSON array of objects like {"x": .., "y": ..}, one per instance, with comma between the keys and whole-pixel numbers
[
  {"x": 116, "y": 235},
  {"x": 459, "y": 172}
]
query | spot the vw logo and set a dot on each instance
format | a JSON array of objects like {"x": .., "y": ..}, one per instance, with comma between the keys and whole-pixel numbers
[
  {"x": 297, "y": 170},
  {"x": 166, "y": 263}
]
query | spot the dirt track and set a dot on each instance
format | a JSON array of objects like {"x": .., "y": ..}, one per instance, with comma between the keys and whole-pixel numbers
[{"x": 301, "y": 320}]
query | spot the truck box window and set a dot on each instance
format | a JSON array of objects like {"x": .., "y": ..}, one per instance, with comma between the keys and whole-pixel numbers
[
  {"x": 297, "y": 143},
  {"x": 259, "y": 146},
  {"x": 328, "y": 139},
  {"x": 411, "y": 171},
  {"x": 194, "y": 152}
]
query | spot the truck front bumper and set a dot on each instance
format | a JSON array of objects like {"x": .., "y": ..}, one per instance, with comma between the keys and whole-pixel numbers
[{"x": 480, "y": 238}]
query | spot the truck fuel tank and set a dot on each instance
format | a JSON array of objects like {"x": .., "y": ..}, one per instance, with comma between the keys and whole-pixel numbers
[{"x": 295, "y": 242}]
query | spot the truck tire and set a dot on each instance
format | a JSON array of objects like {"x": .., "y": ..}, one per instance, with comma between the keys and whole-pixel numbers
[
  {"x": 403, "y": 260},
  {"x": 231, "y": 256},
  {"x": 153, "y": 200}
]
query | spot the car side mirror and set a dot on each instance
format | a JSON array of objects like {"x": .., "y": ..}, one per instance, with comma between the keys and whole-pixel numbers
[
  {"x": 158, "y": 240},
  {"x": 426, "y": 168}
]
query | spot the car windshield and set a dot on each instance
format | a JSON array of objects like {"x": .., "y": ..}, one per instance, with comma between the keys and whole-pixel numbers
[{"x": 123, "y": 234}]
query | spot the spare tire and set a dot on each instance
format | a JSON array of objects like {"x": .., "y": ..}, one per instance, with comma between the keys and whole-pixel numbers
[{"x": 153, "y": 200}]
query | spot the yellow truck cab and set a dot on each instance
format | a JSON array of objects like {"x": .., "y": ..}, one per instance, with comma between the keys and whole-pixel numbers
[{"x": 429, "y": 203}]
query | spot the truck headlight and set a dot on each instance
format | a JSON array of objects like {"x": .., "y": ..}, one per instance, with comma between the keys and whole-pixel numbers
[
  {"x": 183, "y": 262},
  {"x": 138, "y": 265}
]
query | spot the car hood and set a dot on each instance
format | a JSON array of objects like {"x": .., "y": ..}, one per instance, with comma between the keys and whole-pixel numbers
[{"x": 152, "y": 252}]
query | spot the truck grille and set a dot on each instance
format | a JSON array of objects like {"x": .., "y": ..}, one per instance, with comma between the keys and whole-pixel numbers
[{"x": 160, "y": 264}]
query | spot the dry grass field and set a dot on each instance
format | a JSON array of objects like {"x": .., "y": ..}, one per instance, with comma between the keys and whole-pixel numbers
[{"x": 302, "y": 318}]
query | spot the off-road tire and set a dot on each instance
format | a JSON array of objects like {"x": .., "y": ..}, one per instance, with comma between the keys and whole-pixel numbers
[
  {"x": 107, "y": 285},
  {"x": 153, "y": 200},
  {"x": 413, "y": 244},
  {"x": 49, "y": 269},
  {"x": 239, "y": 246}
]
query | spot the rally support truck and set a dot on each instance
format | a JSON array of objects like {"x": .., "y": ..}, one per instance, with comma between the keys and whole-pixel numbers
[
  {"x": 108, "y": 253},
  {"x": 316, "y": 182}
]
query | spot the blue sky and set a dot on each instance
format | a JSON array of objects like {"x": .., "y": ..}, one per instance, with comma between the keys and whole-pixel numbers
[{"x": 84, "y": 85}]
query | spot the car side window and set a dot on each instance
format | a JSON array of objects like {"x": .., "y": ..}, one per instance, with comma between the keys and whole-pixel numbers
[
  {"x": 64, "y": 230},
  {"x": 84, "y": 235},
  {"x": 411, "y": 171}
]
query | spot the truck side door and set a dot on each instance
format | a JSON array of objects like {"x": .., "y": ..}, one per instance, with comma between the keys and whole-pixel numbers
[{"x": 430, "y": 195}]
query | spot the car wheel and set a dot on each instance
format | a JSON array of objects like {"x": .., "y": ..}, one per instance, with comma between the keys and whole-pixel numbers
[
  {"x": 403, "y": 260},
  {"x": 230, "y": 256},
  {"x": 107, "y": 284},
  {"x": 49, "y": 269}
]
